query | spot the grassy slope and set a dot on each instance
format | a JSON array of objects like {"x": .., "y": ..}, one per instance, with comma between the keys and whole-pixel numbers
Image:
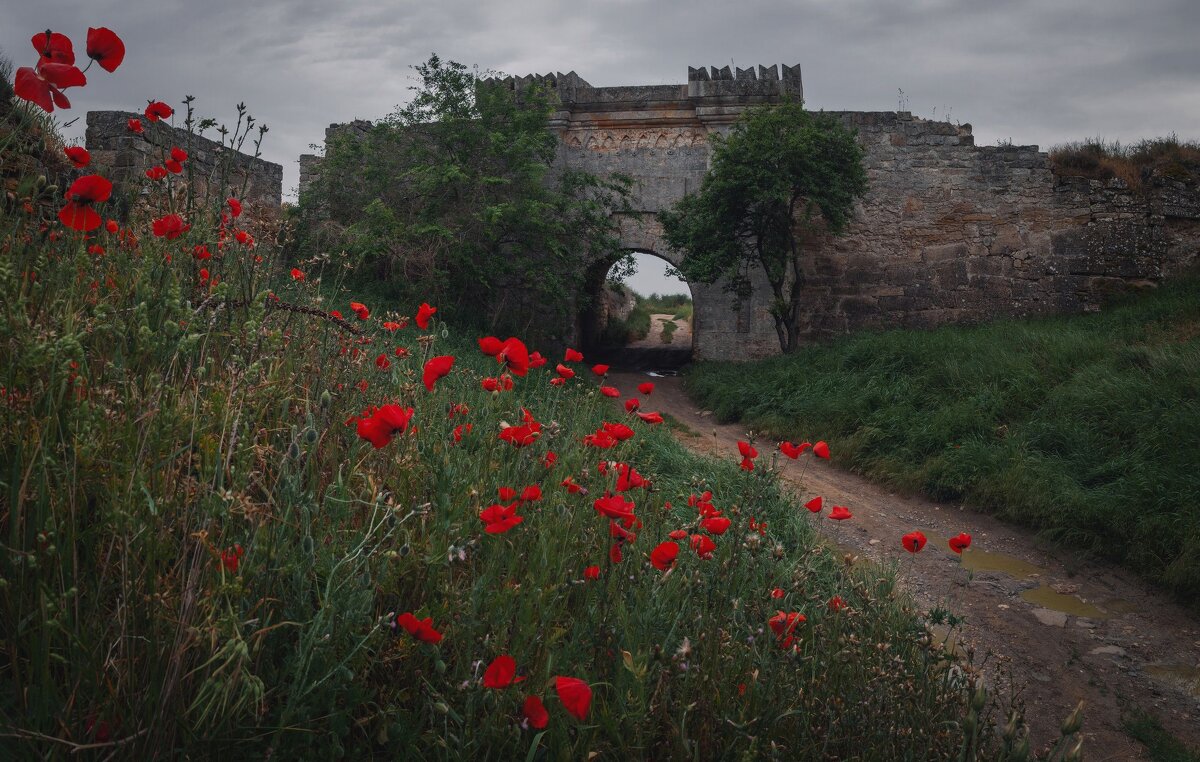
[{"x": 1086, "y": 428}]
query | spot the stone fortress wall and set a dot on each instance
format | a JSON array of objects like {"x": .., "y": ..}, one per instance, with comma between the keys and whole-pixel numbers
[
  {"x": 128, "y": 155},
  {"x": 948, "y": 231}
]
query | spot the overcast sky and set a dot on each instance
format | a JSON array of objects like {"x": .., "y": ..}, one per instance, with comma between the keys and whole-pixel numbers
[{"x": 1035, "y": 71}]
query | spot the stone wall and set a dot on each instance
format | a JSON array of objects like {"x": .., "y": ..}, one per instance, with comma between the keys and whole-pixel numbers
[
  {"x": 127, "y": 155},
  {"x": 948, "y": 231}
]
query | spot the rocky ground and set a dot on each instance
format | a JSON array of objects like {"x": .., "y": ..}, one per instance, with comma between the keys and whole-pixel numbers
[{"x": 1044, "y": 625}]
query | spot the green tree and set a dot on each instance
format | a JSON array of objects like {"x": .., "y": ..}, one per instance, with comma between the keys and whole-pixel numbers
[
  {"x": 455, "y": 197},
  {"x": 781, "y": 176}
]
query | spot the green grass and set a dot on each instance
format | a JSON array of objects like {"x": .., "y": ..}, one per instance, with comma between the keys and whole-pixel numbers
[
  {"x": 1162, "y": 746},
  {"x": 1085, "y": 428},
  {"x": 668, "y": 330}
]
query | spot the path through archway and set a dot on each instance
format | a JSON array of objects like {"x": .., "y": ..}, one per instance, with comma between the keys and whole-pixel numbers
[{"x": 637, "y": 315}]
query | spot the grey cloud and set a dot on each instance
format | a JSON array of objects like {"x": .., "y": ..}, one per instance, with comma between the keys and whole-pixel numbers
[{"x": 1035, "y": 71}]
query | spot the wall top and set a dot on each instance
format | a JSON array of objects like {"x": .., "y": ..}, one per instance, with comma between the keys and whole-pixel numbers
[{"x": 763, "y": 82}]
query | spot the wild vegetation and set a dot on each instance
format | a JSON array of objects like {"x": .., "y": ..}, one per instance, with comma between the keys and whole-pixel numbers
[
  {"x": 1098, "y": 159},
  {"x": 245, "y": 514},
  {"x": 636, "y": 326},
  {"x": 451, "y": 198},
  {"x": 1082, "y": 427},
  {"x": 782, "y": 178}
]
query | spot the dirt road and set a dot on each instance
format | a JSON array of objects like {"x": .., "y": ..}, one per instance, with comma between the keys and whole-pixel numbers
[
  {"x": 681, "y": 338},
  {"x": 1063, "y": 630}
]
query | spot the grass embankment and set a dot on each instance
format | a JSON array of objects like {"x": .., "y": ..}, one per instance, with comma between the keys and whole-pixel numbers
[
  {"x": 202, "y": 558},
  {"x": 1086, "y": 428}
]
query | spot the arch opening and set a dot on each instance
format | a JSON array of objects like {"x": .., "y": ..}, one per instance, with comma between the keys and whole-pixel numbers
[{"x": 637, "y": 313}]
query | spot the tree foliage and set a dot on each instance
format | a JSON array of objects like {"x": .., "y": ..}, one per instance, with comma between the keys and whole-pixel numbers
[
  {"x": 781, "y": 176},
  {"x": 455, "y": 197}
]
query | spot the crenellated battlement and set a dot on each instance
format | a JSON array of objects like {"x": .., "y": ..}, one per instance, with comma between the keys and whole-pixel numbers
[{"x": 761, "y": 83}]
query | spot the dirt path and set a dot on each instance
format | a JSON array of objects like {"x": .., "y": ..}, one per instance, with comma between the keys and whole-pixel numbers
[
  {"x": 1064, "y": 630},
  {"x": 681, "y": 338}
]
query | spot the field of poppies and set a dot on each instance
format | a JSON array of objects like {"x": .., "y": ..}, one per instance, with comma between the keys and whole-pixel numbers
[{"x": 242, "y": 513}]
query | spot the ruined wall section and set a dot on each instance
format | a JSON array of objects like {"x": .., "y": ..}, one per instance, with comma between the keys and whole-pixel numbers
[
  {"x": 127, "y": 155},
  {"x": 952, "y": 232}
]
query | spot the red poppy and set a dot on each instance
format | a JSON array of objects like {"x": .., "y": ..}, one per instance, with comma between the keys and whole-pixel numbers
[
  {"x": 815, "y": 504},
  {"x": 783, "y": 625},
  {"x": 201, "y": 252},
  {"x": 645, "y": 387},
  {"x": 629, "y": 478},
  {"x": 913, "y": 541},
  {"x": 498, "y": 519},
  {"x": 232, "y": 557},
  {"x": 536, "y": 360},
  {"x": 747, "y": 450},
  {"x": 112, "y": 226},
  {"x": 632, "y": 404},
  {"x": 821, "y": 450},
  {"x": 564, "y": 371},
  {"x": 573, "y": 356},
  {"x": 135, "y": 125},
  {"x": 244, "y": 238},
  {"x": 703, "y": 545},
  {"x": 535, "y": 712},
  {"x": 620, "y": 532},
  {"x": 178, "y": 154},
  {"x": 362, "y": 385},
  {"x": 614, "y": 507},
  {"x": 840, "y": 513},
  {"x": 459, "y": 430},
  {"x": 506, "y": 493},
  {"x": 158, "y": 110},
  {"x": 338, "y": 315},
  {"x": 523, "y": 435},
  {"x": 556, "y": 381},
  {"x": 490, "y": 384},
  {"x": 778, "y": 593},
  {"x": 571, "y": 486},
  {"x": 360, "y": 309},
  {"x": 618, "y": 431},
  {"x": 837, "y": 603},
  {"x": 105, "y": 48},
  {"x": 78, "y": 156},
  {"x": 435, "y": 368},
  {"x": 203, "y": 274},
  {"x": 421, "y": 629},
  {"x": 600, "y": 438},
  {"x": 380, "y": 426},
  {"x": 515, "y": 356},
  {"x": 156, "y": 173},
  {"x": 747, "y": 464},
  {"x": 663, "y": 557},
  {"x": 610, "y": 391},
  {"x": 235, "y": 206},
  {"x": 170, "y": 226},
  {"x": 501, "y": 672},
  {"x": 43, "y": 85},
  {"x": 424, "y": 313},
  {"x": 298, "y": 274},
  {"x": 490, "y": 346},
  {"x": 391, "y": 326},
  {"x": 600, "y": 370},
  {"x": 716, "y": 525},
  {"x": 791, "y": 450},
  {"x": 651, "y": 418},
  {"x": 960, "y": 543},
  {"x": 531, "y": 493},
  {"x": 591, "y": 572},
  {"x": 173, "y": 166},
  {"x": 382, "y": 362},
  {"x": 78, "y": 214},
  {"x": 614, "y": 554},
  {"x": 53, "y": 47},
  {"x": 575, "y": 694},
  {"x": 96, "y": 249}
]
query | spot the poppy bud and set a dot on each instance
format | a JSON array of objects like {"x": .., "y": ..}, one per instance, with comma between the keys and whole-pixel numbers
[
  {"x": 293, "y": 451},
  {"x": 1076, "y": 754},
  {"x": 310, "y": 436},
  {"x": 980, "y": 696},
  {"x": 307, "y": 544},
  {"x": 405, "y": 550},
  {"x": 441, "y": 707},
  {"x": 325, "y": 398},
  {"x": 1074, "y": 722},
  {"x": 440, "y": 666},
  {"x": 41, "y": 182}
]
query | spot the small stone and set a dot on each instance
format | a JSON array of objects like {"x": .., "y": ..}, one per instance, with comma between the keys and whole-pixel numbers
[
  {"x": 873, "y": 542},
  {"x": 1051, "y": 618},
  {"x": 1107, "y": 651}
]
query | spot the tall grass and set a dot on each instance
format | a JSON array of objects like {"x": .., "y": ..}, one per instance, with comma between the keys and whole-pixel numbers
[
  {"x": 201, "y": 558},
  {"x": 1100, "y": 159},
  {"x": 1084, "y": 428}
]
